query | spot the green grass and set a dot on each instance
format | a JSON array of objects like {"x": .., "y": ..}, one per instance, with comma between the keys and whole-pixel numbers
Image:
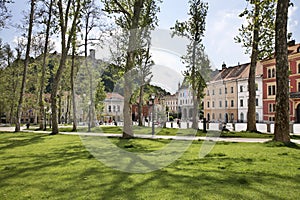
[
  {"x": 38, "y": 166},
  {"x": 171, "y": 132}
]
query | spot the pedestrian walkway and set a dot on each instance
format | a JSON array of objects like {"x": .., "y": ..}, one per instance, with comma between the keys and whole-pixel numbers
[{"x": 215, "y": 139}]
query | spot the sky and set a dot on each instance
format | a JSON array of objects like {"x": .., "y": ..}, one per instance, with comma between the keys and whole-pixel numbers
[{"x": 222, "y": 24}]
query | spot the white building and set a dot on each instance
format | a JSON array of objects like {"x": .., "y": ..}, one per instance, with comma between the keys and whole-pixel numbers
[
  {"x": 113, "y": 107},
  {"x": 185, "y": 102},
  {"x": 243, "y": 94}
]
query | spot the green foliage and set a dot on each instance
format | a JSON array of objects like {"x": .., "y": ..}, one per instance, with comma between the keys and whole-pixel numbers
[
  {"x": 264, "y": 19},
  {"x": 100, "y": 96}
]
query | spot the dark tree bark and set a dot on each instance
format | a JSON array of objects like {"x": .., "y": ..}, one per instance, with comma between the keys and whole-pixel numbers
[
  {"x": 26, "y": 63},
  {"x": 282, "y": 132},
  {"x": 251, "y": 115},
  {"x": 41, "y": 101},
  {"x": 73, "y": 90}
]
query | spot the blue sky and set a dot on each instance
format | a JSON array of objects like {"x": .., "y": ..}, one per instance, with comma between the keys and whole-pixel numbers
[{"x": 221, "y": 27}]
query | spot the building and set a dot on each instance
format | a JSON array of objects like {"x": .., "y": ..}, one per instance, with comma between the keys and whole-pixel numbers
[
  {"x": 269, "y": 85},
  {"x": 185, "y": 101},
  {"x": 113, "y": 107},
  {"x": 171, "y": 102},
  {"x": 243, "y": 94},
  {"x": 221, "y": 99}
]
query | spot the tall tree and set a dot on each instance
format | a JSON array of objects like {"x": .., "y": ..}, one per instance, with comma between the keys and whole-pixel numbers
[
  {"x": 132, "y": 16},
  {"x": 282, "y": 116},
  {"x": 193, "y": 29},
  {"x": 42, "y": 81},
  {"x": 144, "y": 65},
  {"x": 258, "y": 38},
  {"x": 66, "y": 10},
  {"x": 26, "y": 63},
  {"x": 91, "y": 19}
]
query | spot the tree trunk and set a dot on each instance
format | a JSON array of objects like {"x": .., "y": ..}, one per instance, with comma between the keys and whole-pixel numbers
[
  {"x": 130, "y": 61},
  {"x": 282, "y": 133},
  {"x": 65, "y": 46},
  {"x": 251, "y": 115},
  {"x": 41, "y": 101},
  {"x": 26, "y": 63},
  {"x": 140, "y": 105},
  {"x": 194, "y": 88},
  {"x": 73, "y": 91}
]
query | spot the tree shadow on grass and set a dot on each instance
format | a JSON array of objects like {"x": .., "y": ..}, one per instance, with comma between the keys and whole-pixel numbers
[{"x": 21, "y": 140}]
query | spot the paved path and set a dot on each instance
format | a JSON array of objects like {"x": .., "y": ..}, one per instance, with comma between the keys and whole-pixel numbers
[{"x": 216, "y": 139}]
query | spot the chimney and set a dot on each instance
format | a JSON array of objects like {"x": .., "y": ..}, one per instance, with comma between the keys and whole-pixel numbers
[
  {"x": 92, "y": 54},
  {"x": 224, "y": 66},
  {"x": 292, "y": 43}
]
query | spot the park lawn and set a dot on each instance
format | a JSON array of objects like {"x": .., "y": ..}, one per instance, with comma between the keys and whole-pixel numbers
[
  {"x": 171, "y": 132},
  {"x": 39, "y": 166}
]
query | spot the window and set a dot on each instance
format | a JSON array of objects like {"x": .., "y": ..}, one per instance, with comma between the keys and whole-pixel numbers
[
  {"x": 271, "y": 119},
  {"x": 256, "y": 86},
  {"x": 257, "y": 104},
  {"x": 271, "y": 90},
  {"x": 231, "y": 89},
  {"x": 241, "y": 103},
  {"x": 213, "y": 92},
  {"x": 213, "y": 104},
  {"x": 298, "y": 86},
  {"x": 226, "y": 104},
  {"x": 299, "y": 68},
  {"x": 220, "y": 104},
  {"x": 225, "y": 90},
  {"x": 207, "y": 92},
  {"x": 213, "y": 116},
  {"x": 272, "y": 107},
  {"x": 114, "y": 108},
  {"x": 273, "y": 72},
  {"x": 242, "y": 117},
  {"x": 109, "y": 108},
  {"x": 220, "y": 91},
  {"x": 232, "y": 103},
  {"x": 241, "y": 88},
  {"x": 220, "y": 116},
  {"x": 208, "y": 104}
]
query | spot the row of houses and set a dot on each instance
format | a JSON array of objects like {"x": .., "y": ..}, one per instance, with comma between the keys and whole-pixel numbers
[{"x": 226, "y": 95}]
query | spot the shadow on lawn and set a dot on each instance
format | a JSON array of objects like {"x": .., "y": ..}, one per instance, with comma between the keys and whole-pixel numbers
[
  {"x": 21, "y": 141},
  {"x": 84, "y": 176}
]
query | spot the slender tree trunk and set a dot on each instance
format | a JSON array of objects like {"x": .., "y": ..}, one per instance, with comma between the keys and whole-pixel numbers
[
  {"x": 251, "y": 115},
  {"x": 41, "y": 101},
  {"x": 73, "y": 91},
  {"x": 26, "y": 63},
  {"x": 194, "y": 88},
  {"x": 140, "y": 105},
  {"x": 282, "y": 116},
  {"x": 65, "y": 45}
]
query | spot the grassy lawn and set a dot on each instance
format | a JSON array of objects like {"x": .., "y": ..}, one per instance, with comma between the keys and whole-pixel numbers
[
  {"x": 170, "y": 132},
  {"x": 37, "y": 166}
]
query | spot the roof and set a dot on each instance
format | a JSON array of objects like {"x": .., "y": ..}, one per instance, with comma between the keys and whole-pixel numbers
[
  {"x": 114, "y": 96},
  {"x": 230, "y": 72}
]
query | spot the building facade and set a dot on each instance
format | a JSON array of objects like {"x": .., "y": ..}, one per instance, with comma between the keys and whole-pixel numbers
[
  {"x": 185, "y": 102},
  {"x": 113, "y": 107},
  {"x": 243, "y": 94},
  {"x": 221, "y": 99},
  {"x": 269, "y": 85}
]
